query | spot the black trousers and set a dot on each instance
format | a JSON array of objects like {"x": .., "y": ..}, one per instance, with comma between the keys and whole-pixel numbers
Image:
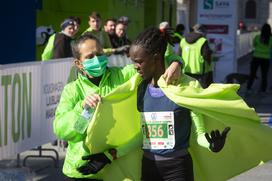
[
  {"x": 254, "y": 65},
  {"x": 177, "y": 169}
]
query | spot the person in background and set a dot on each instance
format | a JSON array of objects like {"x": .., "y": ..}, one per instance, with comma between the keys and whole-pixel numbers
[
  {"x": 197, "y": 55},
  {"x": 120, "y": 39},
  {"x": 77, "y": 23},
  {"x": 58, "y": 45},
  {"x": 261, "y": 54},
  {"x": 62, "y": 42},
  {"x": 178, "y": 36},
  {"x": 109, "y": 28},
  {"x": 180, "y": 28},
  {"x": 125, "y": 21},
  {"x": 95, "y": 79},
  {"x": 95, "y": 23}
]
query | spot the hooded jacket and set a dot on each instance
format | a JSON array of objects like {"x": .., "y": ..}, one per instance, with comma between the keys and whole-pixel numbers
[{"x": 69, "y": 111}]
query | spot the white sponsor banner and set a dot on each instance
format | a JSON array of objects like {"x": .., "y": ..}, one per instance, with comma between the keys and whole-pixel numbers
[
  {"x": 20, "y": 108},
  {"x": 23, "y": 99},
  {"x": 220, "y": 19},
  {"x": 55, "y": 77}
]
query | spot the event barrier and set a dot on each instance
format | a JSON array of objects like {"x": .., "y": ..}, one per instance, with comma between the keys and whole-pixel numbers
[{"x": 29, "y": 95}]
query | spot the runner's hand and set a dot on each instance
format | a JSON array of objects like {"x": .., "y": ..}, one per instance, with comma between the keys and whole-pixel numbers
[
  {"x": 217, "y": 140},
  {"x": 172, "y": 73}
]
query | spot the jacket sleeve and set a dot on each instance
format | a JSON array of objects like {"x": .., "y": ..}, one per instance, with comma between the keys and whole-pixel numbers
[
  {"x": 206, "y": 52},
  {"x": 48, "y": 50},
  {"x": 169, "y": 58},
  {"x": 199, "y": 129},
  {"x": 67, "y": 113},
  {"x": 128, "y": 71}
]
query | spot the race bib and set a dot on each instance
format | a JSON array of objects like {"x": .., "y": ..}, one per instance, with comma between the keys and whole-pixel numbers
[{"x": 158, "y": 130}]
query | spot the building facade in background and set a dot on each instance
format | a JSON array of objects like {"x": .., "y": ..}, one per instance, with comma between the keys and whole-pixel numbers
[{"x": 253, "y": 13}]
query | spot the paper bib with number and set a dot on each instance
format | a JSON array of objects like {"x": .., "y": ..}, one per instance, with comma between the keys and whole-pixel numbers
[{"x": 158, "y": 130}]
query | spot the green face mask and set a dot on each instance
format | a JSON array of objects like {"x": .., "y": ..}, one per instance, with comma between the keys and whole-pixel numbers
[{"x": 95, "y": 66}]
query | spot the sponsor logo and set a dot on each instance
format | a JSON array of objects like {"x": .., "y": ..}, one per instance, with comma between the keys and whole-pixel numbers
[
  {"x": 167, "y": 116},
  {"x": 219, "y": 4},
  {"x": 153, "y": 116},
  {"x": 222, "y": 4},
  {"x": 208, "y": 4}
]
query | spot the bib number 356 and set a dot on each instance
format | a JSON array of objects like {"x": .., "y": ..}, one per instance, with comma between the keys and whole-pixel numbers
[{"x": 156, "y": 130}]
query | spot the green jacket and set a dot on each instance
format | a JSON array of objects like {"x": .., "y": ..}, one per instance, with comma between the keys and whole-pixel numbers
[
  {"x": 70, "y": 108},
  {"x": 48, "y": 50}
]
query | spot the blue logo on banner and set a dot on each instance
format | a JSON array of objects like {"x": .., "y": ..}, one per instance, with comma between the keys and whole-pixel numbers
[{"x": 208, "y": 4}]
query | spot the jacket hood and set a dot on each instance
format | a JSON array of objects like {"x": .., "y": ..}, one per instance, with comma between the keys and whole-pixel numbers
[{"x": 193, "y": 37}]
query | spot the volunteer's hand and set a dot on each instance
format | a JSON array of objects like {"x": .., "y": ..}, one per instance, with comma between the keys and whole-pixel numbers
[
  {"x": 122, "y": 49},
  {"x": 92, "y": 100},
  {"x": 94, "y": 163},
  {"x": 217, "y": 140},
  {"x": 172, "y": 73}
]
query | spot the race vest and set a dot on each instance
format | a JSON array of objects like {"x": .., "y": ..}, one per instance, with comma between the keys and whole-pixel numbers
[{"x": 194, "y": 63}]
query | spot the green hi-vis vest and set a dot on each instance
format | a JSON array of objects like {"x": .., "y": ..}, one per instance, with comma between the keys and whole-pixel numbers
[
  {"x": 194, "y": 63},
  {"x": 261, "y": 50},
  {"x": 48, "y": 51}
]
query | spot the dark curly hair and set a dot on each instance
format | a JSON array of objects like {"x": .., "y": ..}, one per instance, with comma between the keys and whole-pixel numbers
[{"x": 154, "y": 40}]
